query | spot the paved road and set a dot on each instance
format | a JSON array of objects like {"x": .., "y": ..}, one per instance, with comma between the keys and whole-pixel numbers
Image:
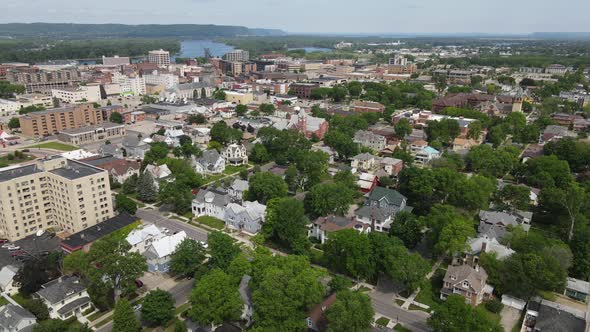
[
  {"x": 383, "y": 304},
  {"x": 155, "y": 218}
]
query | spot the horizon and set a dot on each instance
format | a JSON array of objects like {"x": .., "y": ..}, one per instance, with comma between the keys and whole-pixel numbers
[{"x": 374, "y": 17}]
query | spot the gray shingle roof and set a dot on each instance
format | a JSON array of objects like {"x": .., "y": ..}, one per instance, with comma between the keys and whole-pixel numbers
[
  {"x": 74, "y": 305},
  {"x": 11, "y": 315},
  {"x": 60, "y": 289}
]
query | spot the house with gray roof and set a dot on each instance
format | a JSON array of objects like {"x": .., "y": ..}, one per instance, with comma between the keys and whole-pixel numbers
[
  {"x": 134, "y": 146},
  {"x": 468, "y": 282},
  {"x": 495, "y": 224},
  {"x": 7, "y": 284},
  {"x": 237, "y": 189},
  {"x": 211, "y": 162},
  {"x": 235, "y": 155},
  {"x": 65, "y": 297},
  {"x": 14, "y": 318},
  {"x": 479, "y": 245},
  {"x": 110, "y": 150},
  {"x": 381, "y": 206},
  {"x": 370, "y": 140},
  {"x": 577, "y": 289},
  {"x": 543, "y": 315},
  {"x": 211, "y": 202},
  {"x": 247, "y": 217}
]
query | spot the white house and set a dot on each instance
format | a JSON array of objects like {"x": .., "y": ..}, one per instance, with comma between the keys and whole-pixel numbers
[
  {"x": 235, "y": 155},
  {"x": 14, "y": 318},
  {"x": 237, "y": 189},
  {"x": 160, "y": 252},
  {"x": 7, "y": 284},
  {"x": 247, "y": 217},
  {"x": 211, "y": 162},
  {"x": 210, "y": 202},
  {"x": 65, "y": 297},
  {"x": 364, "y": 162},
  {"x": 159, "y": 173},
  {"x": 141, "y": 238}
]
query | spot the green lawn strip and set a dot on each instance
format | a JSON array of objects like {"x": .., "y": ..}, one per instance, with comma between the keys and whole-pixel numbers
[
  {"x": 182, "y": 308},
  {"x": 96, "y": 315},
  {"x": 399, "y": 302},
  {"x": 415, "y": 307},
  {"x": 400, "y": 328},
  {"x": 211, "y": 222},
  {"x": 430, "y": 292},
  {"x": 491, "y": 316},
  {"x": 3, "y": 301},
  {"x": 54, "y": 146},
  {"x": 6, "y": 161},
  {"x": 383, "y": 321},
  {"x": 20, "y": 299}
]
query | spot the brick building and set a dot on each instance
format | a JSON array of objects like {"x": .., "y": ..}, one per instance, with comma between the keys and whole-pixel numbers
[{"x": 52, "y": 121}]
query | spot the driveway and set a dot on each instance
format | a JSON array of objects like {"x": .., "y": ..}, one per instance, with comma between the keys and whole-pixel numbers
[
  {"x": 173, "y": 225},
  {"x": 509, "y": 317}
]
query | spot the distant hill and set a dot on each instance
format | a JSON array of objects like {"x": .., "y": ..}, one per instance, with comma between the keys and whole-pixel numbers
[
  {"x": 98, "y": 31},
  {"x": 561, "y": 35}
]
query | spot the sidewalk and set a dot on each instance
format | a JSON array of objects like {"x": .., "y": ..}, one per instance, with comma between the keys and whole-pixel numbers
[{"x": 410, "y": 300}]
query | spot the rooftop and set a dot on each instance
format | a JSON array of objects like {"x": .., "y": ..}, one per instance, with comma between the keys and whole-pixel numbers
[
  {"x": 91, "y": 234},
  {"x": 76, "y": 170}
]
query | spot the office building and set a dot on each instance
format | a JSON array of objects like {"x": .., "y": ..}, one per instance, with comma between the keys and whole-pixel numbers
[
  {"x": 52, "y": 121},
  {"x": 166, "y": 80},
  {"x": 54, "y": 192},
  {"x": 237, "y": 55},
  {"x": 159, "y": 57},
  {"x": 92, "y": 134},
  {"x": 37, "y": 80},
  {"x": 82, "y": 94},
  {"x": 115, "y": 60}
]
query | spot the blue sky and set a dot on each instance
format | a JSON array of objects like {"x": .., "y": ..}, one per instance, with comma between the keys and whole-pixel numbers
[{"x": 327, "y": 16}]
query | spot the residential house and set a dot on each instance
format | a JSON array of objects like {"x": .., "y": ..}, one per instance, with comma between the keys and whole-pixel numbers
[
  {"x": 173, "y": 136},
  {"x": 322, "y": 226},
  {"x": 390, "y": 166},
  {"x": 159, "y": 253},
  {"x": 235, "y": 155},
  {"x": 14, "y": 318},
  {"x": 142, "y": 237},
  {"x": 426, "y": 156},
  {"x": 110, "y": 150},
  {"x": 211, "y": 162},
  {"x": 495, "y": 223},
  {"x": 237, "y": 189},
  {"x": 246, "y": 296},
  {"x": 327, "y": 150},
  {"x": 482, "y": 244},
  {"x": 211, "y": 202},
  {"x": 380, "y": 208},
  {"x": 361, "y": 106},
  {"x": 65, "y": 297},
  {"x": 370, "y": 140},
  {"x": 7, "y": 283},
  {"x": 545, "y": 315},
  {"x": 159, "y": 173},
  {"x": 307, "y": 124},
  {"x": 364, "y": 162},
  {"x": 463, "y": 144},
  {"x": 469, "y": 282},
  {"x": 577, "y": 289},
  {"x": 247, "y": 217},
  {"x": 316, "y": 321},
  {"x": 367, "y": 182},
  {"x": 135, "y": 147},
  {"x": 119, "y": 169},
  {"x": 555, "y": 133}
]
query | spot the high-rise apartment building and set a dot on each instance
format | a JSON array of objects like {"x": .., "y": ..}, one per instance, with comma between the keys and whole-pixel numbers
[
  {"x": 159, "y": 57},
  {"x": 51, "y": 121},
  {"x": 54, "y": 192},
  {"x": 37, "y": 80},
  {"x": 237, "y": 55}
]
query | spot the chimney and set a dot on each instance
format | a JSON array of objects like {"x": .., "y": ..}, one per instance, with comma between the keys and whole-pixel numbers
[{"x": 484, "y": 245}]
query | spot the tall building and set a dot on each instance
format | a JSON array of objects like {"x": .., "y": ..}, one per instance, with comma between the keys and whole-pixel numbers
[
  {"x": 81, "y": 94},
  {"x": 37, "y": 80},
  {"x": 237, "y": 55},
  {"x": 51, "y": 121},
  {"x": 398, "y": 60},
  {"x": 52, "y": 193},
  {"x": 159, "y": 57}
]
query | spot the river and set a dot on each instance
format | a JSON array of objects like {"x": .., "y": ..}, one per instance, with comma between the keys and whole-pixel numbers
[{"x": 196, "y": 48}]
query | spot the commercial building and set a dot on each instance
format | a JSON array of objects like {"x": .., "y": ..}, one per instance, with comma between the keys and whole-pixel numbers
[
  {"x": 9, "y": 107},
  {"x": 166, "y": 80},
  {"x": 92, "y": 134},
  {"x": 303, "y": 90},
  {"x": 82, "y": 94},
  {"x": 37, "y": 80},
  {"x": 55, "y": 120},
  {"x": 52, "y": 193},
  {"x": 84, "y": 239},
  {"x": 159, "y": 57},
  {"x": 115, "y": 60},
  {"x": 237, "y": 55},
  {"x": 239, "y": 97}
]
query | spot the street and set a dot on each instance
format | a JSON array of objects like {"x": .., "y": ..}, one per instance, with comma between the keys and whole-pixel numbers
[
  {"x": 414, "y": 320},
  {"x": 155, "y": 218}
]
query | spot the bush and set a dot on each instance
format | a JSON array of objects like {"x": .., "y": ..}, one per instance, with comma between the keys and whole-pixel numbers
[{"x": 494, "y": 305}]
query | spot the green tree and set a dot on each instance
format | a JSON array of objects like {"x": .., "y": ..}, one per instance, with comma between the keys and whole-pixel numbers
[
  {"x": 239, "y": 267},
  {"x": 342, "y": 143},
  {"x": 475, "y": 129},
  {"x": 116, "y": 117},
  {"x": 189, "y": 255},
  {"x": 14, "y": 123},
  {"x": 157, "y": 308},
  {"x": 218, "y": 94},
  {"x": 259, "y": 154},
  {"x": 265, "y": 186},
  {"x": 407, "y": 228},
  {"x": 223, "y": 134},
  {"x": 349, "y": 252},
  {"x": 329, "y": 198},
  {"x": 455, "y": 315},
  {"x": 312, "y": 167},
  {"x": 223, "y": 250},
  {"x": 267, "y": 109},
  {"x": 124, "y": 319},
  {"x": 285, "y": 224},
  {"x": 402, "y": 128},
  {"x": 445, "y": 130},
  {"x": 241, "y": 110},
  {"x": 215, "y": 299},
  {"x": 157, "y": 152},
  {"x": 125, "y": 204},
  {"x": 352, "y": 311},
  {"x": 130, "y": 185},
  {"x": 146, "y": 188},
  {"x": 513, "y": 197}
]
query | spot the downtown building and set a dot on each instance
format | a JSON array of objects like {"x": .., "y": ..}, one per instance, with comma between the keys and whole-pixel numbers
[
  {"x": 54, "y": 192},
  {"x": 55, "y": 120},
  {"x": 159, "y": 57}
]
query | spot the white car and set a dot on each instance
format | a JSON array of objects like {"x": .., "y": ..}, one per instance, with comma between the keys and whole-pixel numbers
[
  {"x": 7, "y": 245},
  {"x": 165, "y": 230},
  {"x": 204, "y": 244},
  {"x": 137, "y": 307},
  {"x": 14, "y": 248}
]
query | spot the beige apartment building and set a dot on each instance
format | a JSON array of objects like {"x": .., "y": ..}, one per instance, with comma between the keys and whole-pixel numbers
[
  {"x": 92, "y": 134},
  {"x": 54, "y": 192},
  {"x": 52, "y": 121}
]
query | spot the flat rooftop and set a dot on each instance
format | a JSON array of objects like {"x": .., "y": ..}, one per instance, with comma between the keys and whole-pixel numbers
[
  {"x": 88, "y": 129},
  {"x": 17, "y": 171},
  {"x": 98, "y": 231},
  {"x": 76, "y": 170}
]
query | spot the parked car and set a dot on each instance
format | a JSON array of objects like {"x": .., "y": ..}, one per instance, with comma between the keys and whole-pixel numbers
[
  {"x": 137, "y": 307},
  {"x": 11, "y": 248},
  {"x": 3, "y": 240},
  {"x": 138, "y": 283},
  {"x": 6, "y": 246}
]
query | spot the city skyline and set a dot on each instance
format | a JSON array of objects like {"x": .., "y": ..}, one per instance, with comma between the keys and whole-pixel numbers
[{"x": 375, "y": 17}]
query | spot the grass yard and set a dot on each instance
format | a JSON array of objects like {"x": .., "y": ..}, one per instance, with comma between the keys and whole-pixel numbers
[
  {"x": 430, "y": 292},
  {"x": 211, "y": 222},
  {"x": 54, "y": 145},
  {"x": 96, "y": 315},
  {"x": 492, "y": 316},
  {"x": 398, "y": 327},
  {"x": 383, "y": 321},
  {"x": 19, "y": 298},
  {"x": 11, "y": 159},
  {"x": 182, "y": 308},
  {"x": 3, "y": 301},
  {"x": 234, "y": 169}
]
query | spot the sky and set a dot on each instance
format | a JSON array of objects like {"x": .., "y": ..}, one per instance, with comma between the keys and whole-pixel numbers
[{"x": 318, "y": 16}]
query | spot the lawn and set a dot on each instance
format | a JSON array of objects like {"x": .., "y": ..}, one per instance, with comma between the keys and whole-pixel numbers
[
  {"x": 491, "y": 316},
  {"x": 211, "y": 222},
  {"x": 10, "y": 159},
  {"x": 96, "y": 315},
  {"x": 182, "y": 308},
  {"x": 400, "y": 328},
  {"x": 430, "y": 291},
  {"x": 19, "y": 298},
  {"x": 3, "y": 301},
  {"x": 54, "y": 146},
  {"x": 234, "y": 169},
  {"x": 383, "y": 321}
]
